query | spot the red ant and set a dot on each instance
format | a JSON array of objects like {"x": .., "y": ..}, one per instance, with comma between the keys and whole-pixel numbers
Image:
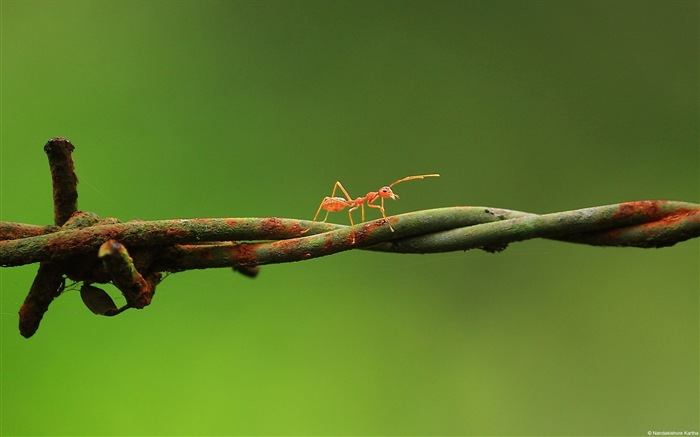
[{"x": 333, "y": 204}]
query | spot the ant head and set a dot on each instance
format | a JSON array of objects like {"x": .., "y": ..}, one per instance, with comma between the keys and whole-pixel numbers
[{"x": 386, "y": 192}]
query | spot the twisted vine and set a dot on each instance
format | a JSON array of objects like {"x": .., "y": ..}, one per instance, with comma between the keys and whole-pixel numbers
[{"x": 83, "y": 247}]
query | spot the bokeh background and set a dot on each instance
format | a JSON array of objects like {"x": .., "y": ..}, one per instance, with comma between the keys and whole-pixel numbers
[{"x": 185, "y": 109}]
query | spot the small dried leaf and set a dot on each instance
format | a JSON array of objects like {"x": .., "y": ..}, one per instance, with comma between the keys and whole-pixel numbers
[{"x": 98, "y": 301}]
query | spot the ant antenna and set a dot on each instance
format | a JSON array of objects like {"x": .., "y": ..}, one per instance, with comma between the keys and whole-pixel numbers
[{"x": 410, "y": 178}]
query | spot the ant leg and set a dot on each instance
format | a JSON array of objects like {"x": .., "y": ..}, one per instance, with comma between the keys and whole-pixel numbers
[
  {"x": 381, "y": 209},
  {"x": 318, "y": 211},
  {"x": 339, "y": 185},
  {"x": 349, "y": 200},
  {"x": 324, "y": 203},
  {"x": 352, "y": 223},
  {"x": 333, "y": 204}
]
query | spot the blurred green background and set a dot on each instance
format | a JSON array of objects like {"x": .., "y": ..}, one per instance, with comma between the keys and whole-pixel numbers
[{"x": 187, "y": 109}]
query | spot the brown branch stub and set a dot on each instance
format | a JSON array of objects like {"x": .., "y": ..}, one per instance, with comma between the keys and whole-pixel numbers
[
  {"x": 47, "y": 285},
  {"x": 50, "y": 280},
  {"x": 65, "y": 182},
  {"x": 249, "y": 271},
  {"x": 15, "y": 231},
  {"x": 137, "y": 291}
]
